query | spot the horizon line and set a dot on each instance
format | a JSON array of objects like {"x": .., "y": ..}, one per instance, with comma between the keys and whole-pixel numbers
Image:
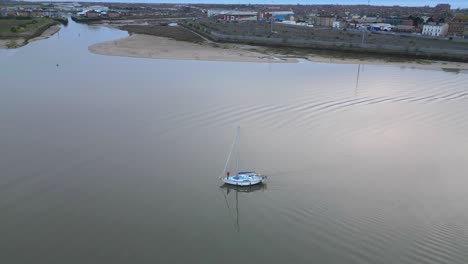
[{"x": 245, "y": 3}]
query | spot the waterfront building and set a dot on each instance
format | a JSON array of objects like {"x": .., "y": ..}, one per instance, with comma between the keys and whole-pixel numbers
[
  {"x": 456, "y": 29},
  {"x": 435, "y": 29},
  {"x": 113, "y": 14},
  {"x": 324, "y": 21},
  {"x": 92, "y": 14}
]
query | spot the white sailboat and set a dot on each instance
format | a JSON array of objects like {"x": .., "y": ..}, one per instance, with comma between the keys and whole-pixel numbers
[{"x": 243, "y": 178}]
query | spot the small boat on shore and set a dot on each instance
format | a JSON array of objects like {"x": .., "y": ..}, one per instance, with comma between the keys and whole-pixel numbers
[{"x": 244, "y": 178}]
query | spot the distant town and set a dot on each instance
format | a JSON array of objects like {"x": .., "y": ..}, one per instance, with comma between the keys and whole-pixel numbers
[
  {"x": 348, "y": 27},
  {"x": 437, "y": 21}
]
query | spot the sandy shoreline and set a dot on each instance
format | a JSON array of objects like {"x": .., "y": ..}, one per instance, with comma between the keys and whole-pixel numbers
[
  {"x": 21, "y": 41},
  {"x": 146, "y": 46},
  {"x": 47, "y": 33}
]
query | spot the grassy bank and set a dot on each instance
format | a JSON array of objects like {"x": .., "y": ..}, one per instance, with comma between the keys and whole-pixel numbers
[
  {"x": 176, "y": 33},
  {"x": 61, "y": 20},
  {"x": 22, "y": 29}
]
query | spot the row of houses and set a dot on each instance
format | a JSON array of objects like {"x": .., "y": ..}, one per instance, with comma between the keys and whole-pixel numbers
[
  {"x": 23, "y": 12},
  {"x": 451, "y": 29},
  {"x": 103, "y": 11},
  {"x": 98, "y": 11}
]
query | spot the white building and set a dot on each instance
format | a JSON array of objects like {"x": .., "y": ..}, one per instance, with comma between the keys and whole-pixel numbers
[
  {"x": 382, "y": 27},
  {"x": 435, "y": 30},
  {"x": 337, "y": 24},
  {"x": 294, "y": 23}
]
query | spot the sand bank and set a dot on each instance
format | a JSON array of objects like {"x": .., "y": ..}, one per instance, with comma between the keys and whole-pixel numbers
[
  {"x": 146, "y": 46},
  {"x": 5, "y": 43}
]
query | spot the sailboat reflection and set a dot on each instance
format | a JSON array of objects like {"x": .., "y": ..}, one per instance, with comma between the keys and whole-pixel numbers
[
  {"x": 239, "y": 189},
  {"x": 247, "y": 189},
  {"x": 357, "y": 80}
]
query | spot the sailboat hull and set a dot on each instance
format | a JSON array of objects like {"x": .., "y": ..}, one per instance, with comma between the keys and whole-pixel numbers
[{"x": 245, "y": 179}]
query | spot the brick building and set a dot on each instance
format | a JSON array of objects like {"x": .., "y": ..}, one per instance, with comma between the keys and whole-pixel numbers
[
  {"x": 113, "y": 14},
  {"x": 324, "y": 21},
  {"x": 456, "y": 29},
  {"x": 92, "y": 14}
]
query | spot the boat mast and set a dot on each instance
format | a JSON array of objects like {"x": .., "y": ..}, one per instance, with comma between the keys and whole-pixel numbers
[
  {"x": 230, "y": 153},
  {"x": 237, "y": 155}
]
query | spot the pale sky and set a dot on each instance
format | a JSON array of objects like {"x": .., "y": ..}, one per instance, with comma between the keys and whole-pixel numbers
[{"x": 454, "y": 3}]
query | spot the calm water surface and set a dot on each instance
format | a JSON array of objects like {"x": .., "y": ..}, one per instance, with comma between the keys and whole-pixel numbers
[{"x": 115, "y": 160}]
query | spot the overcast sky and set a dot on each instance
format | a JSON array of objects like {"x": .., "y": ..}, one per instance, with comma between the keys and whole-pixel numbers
[{"x": 454, "y": 3}]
